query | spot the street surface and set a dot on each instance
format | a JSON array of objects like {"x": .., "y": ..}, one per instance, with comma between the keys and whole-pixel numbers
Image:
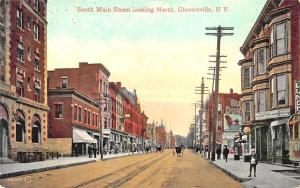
[{"x": 149, "y": 170}]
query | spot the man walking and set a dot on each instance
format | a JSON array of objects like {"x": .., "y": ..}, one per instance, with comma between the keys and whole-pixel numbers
[
  {"x": 253, "y": 162},
  {"x": 225, "y": 152}
]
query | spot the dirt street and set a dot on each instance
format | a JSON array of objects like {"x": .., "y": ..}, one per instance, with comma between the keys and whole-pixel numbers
[{"x": 153, "y": 170}]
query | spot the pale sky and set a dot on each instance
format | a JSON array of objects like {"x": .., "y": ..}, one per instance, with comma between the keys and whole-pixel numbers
[{"x": 161, "y": 55}]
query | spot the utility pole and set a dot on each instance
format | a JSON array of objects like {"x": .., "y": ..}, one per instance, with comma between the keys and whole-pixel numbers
[
  {"x": 203, "y": 90},
  {"x": 219, "y": 34}
]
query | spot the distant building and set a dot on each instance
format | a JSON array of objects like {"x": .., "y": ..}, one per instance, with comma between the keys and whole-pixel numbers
[
  {"x": 229, "y": 118},
  {"x": 161, "y": 135}
]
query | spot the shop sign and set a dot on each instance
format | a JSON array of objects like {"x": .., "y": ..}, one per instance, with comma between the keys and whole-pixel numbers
[
  {"x": 295, "y": 150},
  {"x": 272, "y": 114},
  {"x": 297, "y": 97},
  {"x": 232, "y": 122}
]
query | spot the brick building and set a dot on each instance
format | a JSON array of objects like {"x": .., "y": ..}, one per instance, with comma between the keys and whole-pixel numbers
[
  {"x": 92, "y": 81},
  {"x": 151, "y": 134},
  {"x": 161, "y": 135},
  {"x": 74, "y": 116},
  {"x": 229, "y": 119},
  {"x": 23, "y": 106},
  {"x": 269, "y": 71},
  {"x": 135, "y": 120},
  {"x": 119, "y": 136}
]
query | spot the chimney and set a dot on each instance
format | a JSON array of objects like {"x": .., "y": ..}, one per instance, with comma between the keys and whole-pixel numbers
[{"x": 231, "y": 90}]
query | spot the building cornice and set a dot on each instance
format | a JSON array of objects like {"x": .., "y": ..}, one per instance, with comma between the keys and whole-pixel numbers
[
  {"x": 75, "y": 92},
  {"x": 268, "y": 7}
]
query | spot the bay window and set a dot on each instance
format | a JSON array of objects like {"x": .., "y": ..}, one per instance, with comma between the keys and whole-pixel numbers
[
  {"x": 247, "y": 111},
  {"x": 247, "y": 80},
  {"x": 279, "y": 87},
  {"x": 261, "y": 61},
  {"x": 278, "y": 40},
  {"x": 261, "y": 101},
  {"x": 281, "y": 90}
]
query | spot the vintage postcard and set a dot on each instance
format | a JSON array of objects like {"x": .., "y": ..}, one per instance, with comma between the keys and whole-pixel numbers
[{"x": 150, "y": 93}]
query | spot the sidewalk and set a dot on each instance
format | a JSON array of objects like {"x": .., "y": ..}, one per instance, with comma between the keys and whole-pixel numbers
[
  {"x": 267, "y": 175},
  {"x": 17, "y": 169}
]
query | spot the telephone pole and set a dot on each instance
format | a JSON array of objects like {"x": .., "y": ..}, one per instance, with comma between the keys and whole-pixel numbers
[{"x": 219, "y": 34}]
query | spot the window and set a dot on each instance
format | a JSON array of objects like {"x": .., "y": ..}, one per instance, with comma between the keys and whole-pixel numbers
[
  {"x": 281, "y": 37},
  {"x": 29, "y": 23},
  {"x": 37, "y": 5},
  {"x": 105, "y": 123},
  {"x": 36, "y": 129},
  {"x": 246, "y": 77},
  {"x": 19, "y": 18},
  {"x": 88, "y": 117},
  {"x": 20, "y": 51},
  {"x": 273, "y": 89},
  {"x": 261, "y": 61},
  {"x": 254, "y": 64},
  {"x": 20, "y": 84},
  {"x": 58, "y": 110},
  {"x": 96, "y": 120},
  {"x": 93, "y": 119},
  {"x": 29, "y": 53},
  {"x": 261, "y": 101},
  {"x": 281, "y": 90},
  {"x": 85, "y": 116},
  {"x": 37, "y": 62},
  {"x": 20, "y": 130},
  {"x": 278, "y": 40},
  {"x": 105, "y": 105},
  {"x": 272, "y": 47},
  {"x": 79, "y": 114},
  {"x": 247, "y": 111},
  {"x": 37, "y": 90},
  {"x": 36, "y": 31},
  {"x": 64, "y": 82},
  {"x": 75, "y": 113}
]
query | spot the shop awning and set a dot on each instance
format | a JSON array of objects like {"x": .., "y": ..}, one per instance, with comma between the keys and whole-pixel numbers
[
  {"x": 279, "y": 122},
  {"x": 81, "y": 136}
]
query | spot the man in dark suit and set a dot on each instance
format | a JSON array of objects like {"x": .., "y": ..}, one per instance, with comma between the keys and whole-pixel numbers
[{"x": 253, "y": 162}]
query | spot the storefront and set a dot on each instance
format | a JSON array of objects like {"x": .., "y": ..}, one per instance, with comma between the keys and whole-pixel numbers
[
  {"x": 81, "y": 140},
  {"x": 294, "y": 143},
  {"x": 271, "y": 136}
]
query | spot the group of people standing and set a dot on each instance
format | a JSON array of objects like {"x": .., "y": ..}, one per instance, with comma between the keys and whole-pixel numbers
[{"x": 92, "y": 150}]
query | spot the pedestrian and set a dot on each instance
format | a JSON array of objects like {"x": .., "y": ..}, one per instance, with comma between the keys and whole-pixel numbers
[
  {"x": 94, "y": 151},
  {"x": 225, "y": 152},
  {"x": 76, "y": 150},
  {"x": 218, "y": 151},
  {"x": 253, "y": 162},
  {"x": 90, "y": 150}
]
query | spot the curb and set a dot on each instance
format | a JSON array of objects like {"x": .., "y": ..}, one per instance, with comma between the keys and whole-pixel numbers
[
  {"x": 20, "y": 173},
  {"x": 228, "y": 172}
]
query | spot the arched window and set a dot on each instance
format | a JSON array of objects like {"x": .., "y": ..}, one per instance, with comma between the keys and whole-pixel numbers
[
  {"x": 36, "y": 129},
  {"x": 20, "y": 126}
]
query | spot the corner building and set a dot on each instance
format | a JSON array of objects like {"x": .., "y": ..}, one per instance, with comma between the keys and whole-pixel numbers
[
  {"x": 23, "y": 73},
  {"x": 269, "y": 70}
]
